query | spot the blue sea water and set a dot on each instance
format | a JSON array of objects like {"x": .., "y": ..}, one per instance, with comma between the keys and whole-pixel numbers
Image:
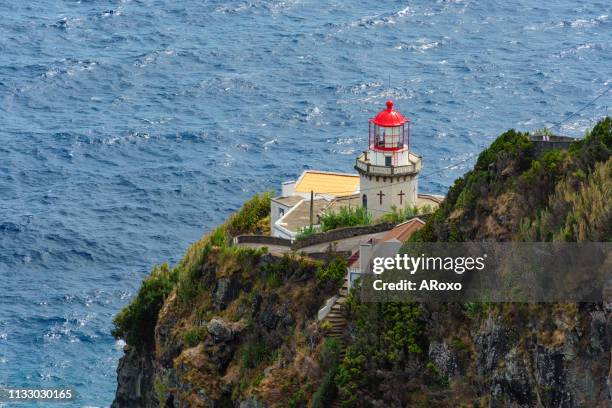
[{"x": 128, "y": 128}]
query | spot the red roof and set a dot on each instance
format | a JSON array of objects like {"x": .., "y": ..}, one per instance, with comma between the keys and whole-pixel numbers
[
  {"x": 389, "y": 117},
  {"x": 353, "y": 258},
  {"x": 404, "y": 231}
]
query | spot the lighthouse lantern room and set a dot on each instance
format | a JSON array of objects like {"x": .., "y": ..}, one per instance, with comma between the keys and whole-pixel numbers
[{"x": 388, "y": 170}]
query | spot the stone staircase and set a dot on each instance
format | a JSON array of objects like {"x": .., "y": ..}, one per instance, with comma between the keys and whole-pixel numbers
[
  {"x": 336, "y": 317},
  {"x": 337, "y": 320}
]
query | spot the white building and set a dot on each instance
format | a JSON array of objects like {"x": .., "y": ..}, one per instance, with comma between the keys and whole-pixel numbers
[
  {"x": 388, "y": 170},
  {"x": 290, "y": 211},
  {"x": 387, "y": 177}
]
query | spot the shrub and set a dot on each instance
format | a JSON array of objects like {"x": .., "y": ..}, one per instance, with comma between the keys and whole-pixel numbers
[
  {"x": 386, "y": 335},
  {"x": 307, "y": 232},
  {"x": 351, "y": 375},
  {"x": 247, "y": 219},
  {"x": 136, "y": 322},
  {"x": 398, "y": 215},
  {"x": 476, "y": 309},
  {"x": 289, "y": 265},
  {"x": 272, "y": 279},
  {"x": 345, "y": 217},
  {"x": 188, "y": 285},
  {"x": 576, "y": 214},
  {"x": 403, "y": 327},
  {"x": 298, "y": 399},
  {"x": 459, "y": 345},
  {"x": 330, "y": 353},
  {"x": 511, "y": 142},
  {"x": 329, "y": 359},
  {"x": 326, "y": 325},
  {"x": 334, "y": 271},
  {"x": 327, "y": 391},
  {"x": 437, "y": 377},
  {"x": 161, "y": 388},
  {"x": 255, "y": 353},
  {"x": 192, "y": 337},
  {"x": 219, "y": 237}
]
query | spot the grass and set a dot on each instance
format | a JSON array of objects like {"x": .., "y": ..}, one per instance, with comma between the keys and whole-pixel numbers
[
  {"x": 345, "y": 217},
  {"x": 334, "y": 271},
  {"x": 136, "y": 322},
  {"x": 255, "y": 353},
  {"x": 194, "y": 336}
]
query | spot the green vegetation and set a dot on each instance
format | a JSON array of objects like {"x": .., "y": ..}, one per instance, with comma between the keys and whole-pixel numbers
[
  {"x": 511, "y": 144},
  {"x": 513, "y": 193},
  {"x": 341, "y": 218},
  {"x": 298, "y": 400},
  {"x": 193, "y": 336},
  {"x": 345, "y": 217},
  {"x": 387, "y": 334},
  {"x": 161, "y": 388},
  {"x": 307, "y": 232},
  {"x": 437, "y": 377},
  {"x": 399, "y": 215},
  {"x": 329, "y": 358},
  {"x": 333, "y": 271},
  {"x": 255, "y": 353},
  {"x": 272, "y": 278},
  {"x": 273, "y": 274},
  {"x": 327, "y": 391},
  {"x": 582, "y": 214},
  {"x": 516, "y": 193},
  {"x": 543, "y": 132},
  {"x": 136, "y": 323},
  {"x": 476, "y": 309},
  {"x": 248, "y": 219}
]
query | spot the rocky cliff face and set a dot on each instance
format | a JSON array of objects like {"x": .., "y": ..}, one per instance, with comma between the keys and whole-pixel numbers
[{"x": 230, "y": 327}]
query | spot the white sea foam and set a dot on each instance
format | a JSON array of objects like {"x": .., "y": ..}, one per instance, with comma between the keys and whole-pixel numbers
[
  {"x": 270, "y": 143},
  {"x": 313, "y": 113},
  {"x": 585, "y": 22}
]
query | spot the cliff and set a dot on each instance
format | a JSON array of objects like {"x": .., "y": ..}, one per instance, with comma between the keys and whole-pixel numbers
[{"x": 234, "y": 327}]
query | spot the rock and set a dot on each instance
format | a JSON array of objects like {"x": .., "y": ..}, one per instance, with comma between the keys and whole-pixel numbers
[
  {"x": 512, "y": 385},
  {"x": 550, "y": 376},
  {"x": 266, "y": 260},
  {"x": 268, "y": 317},
  {"x": 251, "y": 403},
  {"x": 134, "y": 380},
  {"x": 220, "y": 330},
  {"x": 205, "y": 399},
  {"x": 227, "y": 289},
  {"x": 256, "y": 305},
  {"x": 443, "y": 357},
  {"x": 492, "y": 344}
]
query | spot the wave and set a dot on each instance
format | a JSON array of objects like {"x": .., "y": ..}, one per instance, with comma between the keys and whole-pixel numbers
[{"x": 584, "y": 22}]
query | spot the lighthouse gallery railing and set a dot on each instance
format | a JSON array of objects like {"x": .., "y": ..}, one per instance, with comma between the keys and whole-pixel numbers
[{"x": 363, "y": 165}]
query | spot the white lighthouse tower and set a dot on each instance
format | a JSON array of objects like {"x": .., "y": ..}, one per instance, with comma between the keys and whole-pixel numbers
[{"x": 388, "y": 170}]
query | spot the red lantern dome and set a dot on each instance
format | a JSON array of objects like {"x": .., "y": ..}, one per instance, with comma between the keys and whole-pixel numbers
[
  {"x": 389, "y": 117},
  {"x": 389, "y": 130}
]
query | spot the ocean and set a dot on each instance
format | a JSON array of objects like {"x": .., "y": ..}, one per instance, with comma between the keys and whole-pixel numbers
[{"x": 129, "y": 128}]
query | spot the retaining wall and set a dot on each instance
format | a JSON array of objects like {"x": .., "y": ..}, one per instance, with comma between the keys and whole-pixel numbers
[{"x": 341, "y": 233}]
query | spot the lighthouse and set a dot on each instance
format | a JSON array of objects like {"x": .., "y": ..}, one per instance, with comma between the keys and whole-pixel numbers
[{"x": 388, "y": 170}]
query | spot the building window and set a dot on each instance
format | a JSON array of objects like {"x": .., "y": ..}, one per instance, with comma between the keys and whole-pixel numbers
[
  {"x": 364, "y": 201},
  {"x": 388, "y": 161},
  {"x": 281, "y": 212}
]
